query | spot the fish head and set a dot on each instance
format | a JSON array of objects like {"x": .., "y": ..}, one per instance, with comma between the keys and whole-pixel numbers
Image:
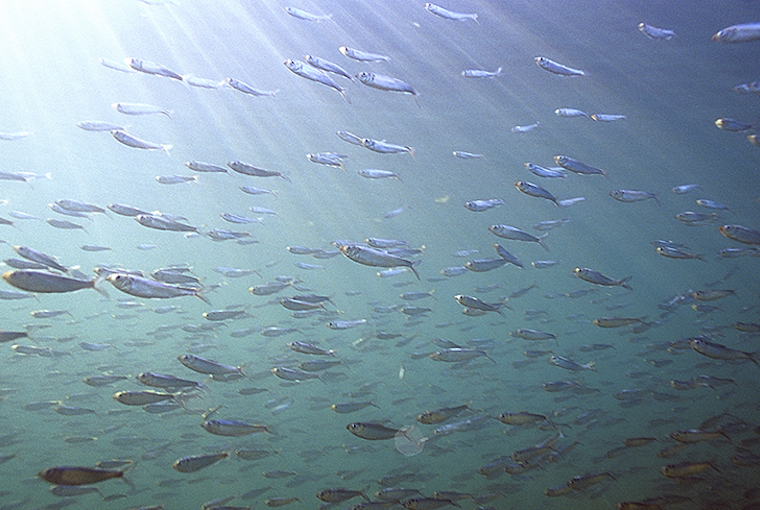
[{"x": 119, "y": 280}]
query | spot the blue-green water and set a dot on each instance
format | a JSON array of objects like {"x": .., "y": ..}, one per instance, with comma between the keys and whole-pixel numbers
[{"x": 671, "y": 92}]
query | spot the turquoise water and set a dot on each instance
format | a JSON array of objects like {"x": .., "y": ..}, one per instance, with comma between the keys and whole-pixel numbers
[{"x": 671, "y": 92}]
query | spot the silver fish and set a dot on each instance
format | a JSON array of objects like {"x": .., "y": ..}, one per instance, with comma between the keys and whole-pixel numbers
[
  {"x": 450, "y": 15},
  {"x": 661, "y": 34},
  {"x": 362, "y": 56},
  {"x": 327, "y": 66},
  {"x": 145, "y": 288},
  {"x": 514, "y": 233},
  {"x": 147, "y": 67},
  {"x": 247, "y": 89},
  {"x": 313, "y": 74},
  {"x": 306, "y": 16},
  {"x": 387, "y": 83},
  {"x": 557, "y": 68},
  {"x": 376, "y": 258},
  {"x": 744, "y": 32},
  {"x": 139, "y": 109},
  {"x": 132, "y": 141},
  {"x": 478, "y": 73},
  {"x": 199, "y": 166}
]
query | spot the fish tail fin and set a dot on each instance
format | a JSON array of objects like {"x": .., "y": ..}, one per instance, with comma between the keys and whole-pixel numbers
[
  {"x": 200, "y": 293},
  {"x": 624, "y": 282},
  {"x": 166, "y": 148},
  {"x": 475, "y": 18},
  {"x": 540, "y": 240},
  {"x": 97, "y": 284},
  {"x": 411, "y": 266},
  {"x": 498, "y": 73},
  {"x": 342, "y": 93}
]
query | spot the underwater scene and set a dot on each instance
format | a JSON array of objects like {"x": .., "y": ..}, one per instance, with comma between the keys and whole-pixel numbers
[{"x": 355, "y": 255}]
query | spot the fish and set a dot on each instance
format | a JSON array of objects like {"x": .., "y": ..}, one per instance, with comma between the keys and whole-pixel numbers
[
  {"x": 145, "y": 66},
  {"x": 195, "y": 463},
  {"x": 351, "y": 407},
  {"x": 254, "y": 171},
  {"x": 534, "y": 190},
  {"x": 162, "y": 223},
  {"x": 720, "y": 351},
  {"x": 138, "y": 109},
  {"x": 288, "y": 374},
  {"x": 549, "y": 173},
  {"x": 339, "y": 495},
  {"x": 328, "y": 159},
  {"x": 733, "y": 125},
  {"x": 43, "y": 282},
  {"x": 199, "y": 166},
  {"x": 207, "y": 366},
  {"x": 514, "y": 233},
  {"x": 557, "y": 68},
  {"x": 478, "y": 304},
  {"x": 684, "y": 188},
  {"x": 316, "y": 75},
  {"x": 576, "y": 166},
  {"x": 175, "y": 179},
  {"x": 479, "y": 73},
  {"x": 150, "y": 289},
  {"x": 376, "y": 258},
  {"x": 363, "y": 56},
  {"x": 617, "y": 322},
  {"x": 571, "y": 112},
  {"x": 75, "y": 475},
  {"x": 467, "y": 155},
  {"x": 744, "y": 32},
  {"x": 660, "y": 34},
  {"x": 568, "y": 364},
  {"x": 674, "y": 253},
  {"x": 247, "y": 89},
  {"x": 232, "y": 428},
  {"x": 627, "y": 195},
  {"x": 97, "y": 125},
  {"x": 607, "y": 117},
  {"x": 457, "y": 354},
  {"x": 327, "y": 66},
  {"x": 685, "y": 469},
  {"x": 132, "y": 141},
  {"x": 384, "y": 147},
  {"x": 373, "y": 431},
  {"x": 306, "y": 16},
  {"x": 533, "y": 334},
  {"x": 739, "y": 233},
  {"x": 387, "y": 83},
  {"x": 450, "y": 15},
  {"x": 40, "y": 257},
  {"x": 598, "y": 278}
]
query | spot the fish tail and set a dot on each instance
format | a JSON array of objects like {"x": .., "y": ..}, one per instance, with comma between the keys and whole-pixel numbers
[
  {"x": 348, "y": 100},
  {"x": 97, "y": 285},
  {"x": 200, "y": 293},
  {"x": 411, "y": 266},
  {"x": 540, "y": 240},
  {"x": 166, "y": 148},
  {"x": 624, "y": 283}
]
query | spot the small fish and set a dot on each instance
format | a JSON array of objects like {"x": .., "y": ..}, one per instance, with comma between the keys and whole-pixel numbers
[
  {"x": 199, "y": 166},
  {"x": 525, "y": 128},
  {"x": 316, "y": 75},
  {"x": 254, "y": 171},
  {"x": 33, "y": 280},
  {"x": 175, "y": 179},
  {"x": 386, "y": 83},
  {"x": 450, "y": 15},
  {"x": 549, "y": 173},
  {"x": 328, "y": 159},
  {"x": 514, "y": 233},
  {"x": 661, "y": 34},
  {"x": 145, "y": 288},
  {"x": 627, "y": 195},
  {"x": 607, "y": 117},
  {"x": 232, "y": 428},
  {"x": 533, "y": 334},
  {"x": 534, "y": 190},
  {"x": 744, "y": 32},
  {"x": 568, "y": 364},
  {"x": 571, "y": 112},
  {"x": 363, "y": 56},
  {"x": 598, "y": 278},
  {"x": 479, "y": 73},
  {"x": 733, "y": 125},
  {"x": 73, "y": 475},
  {"x": 162, "y": 223},
  {"x": 576, "y": 166},
  {"x": 147, "y": 67},
  {"x": 326, "y": 65},
  {"x": 673, "y": 253},
  {"x": 247, "y": 89},
  {"x": 739, "y": 233},
  {"x": 478, "y": 304},
  {"x": 712, "y": 204},
  {"x": 97, "y": 125},
  {"x": 684, "y": 188},
  {"x": 194, "y": 463},
  {"x": 132, "y": 141},
  {"x": 306, "y": 16},
  {"x": 349, "y": 137},
  {"x": 557, "y": 68},
  {"x": 616, "y": 322},
  {"x": 467, "y": 155},
  {"x": 457, "y": 354},
  {"x": 373, "y": 431},
  {"x": 139, "y": 109}
]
